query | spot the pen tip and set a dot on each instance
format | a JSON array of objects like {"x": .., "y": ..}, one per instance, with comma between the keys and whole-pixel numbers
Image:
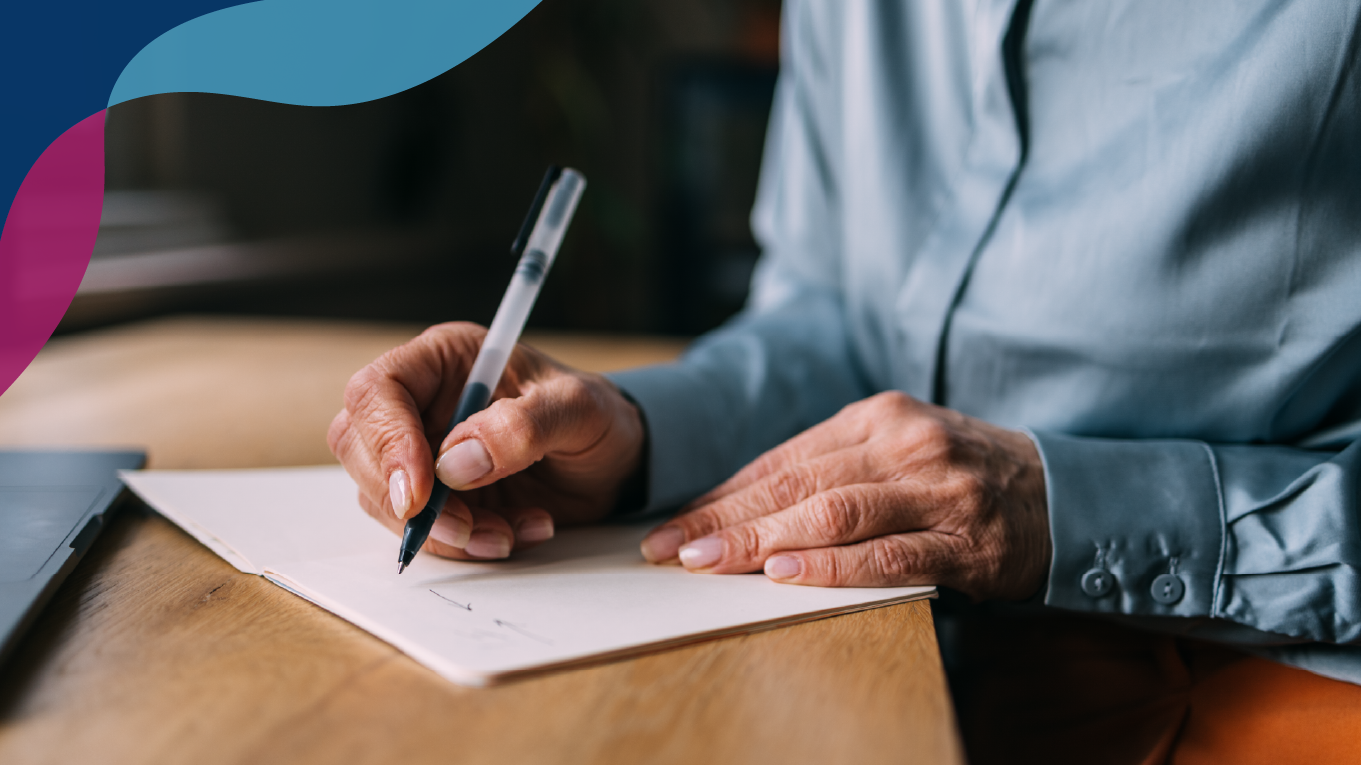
[{"x": 401, "y": 567}]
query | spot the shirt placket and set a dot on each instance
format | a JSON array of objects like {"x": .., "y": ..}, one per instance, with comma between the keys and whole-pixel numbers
[{"x": 940, "y": 269}]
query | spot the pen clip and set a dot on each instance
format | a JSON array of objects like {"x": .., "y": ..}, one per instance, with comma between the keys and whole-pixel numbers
[{"x": 550, "y": 176}]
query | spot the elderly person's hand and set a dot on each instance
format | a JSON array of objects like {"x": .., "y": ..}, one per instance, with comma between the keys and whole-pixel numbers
[
  {"x": 890, "y": 491},
  {"x": 555, "y": 445}
]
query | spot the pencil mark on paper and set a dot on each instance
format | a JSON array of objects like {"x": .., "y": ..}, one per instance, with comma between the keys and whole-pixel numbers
[
  {"x": 464, "y": 606},
  {"x": 522, "y": 631},
  {"x": 486, "y": 638}
]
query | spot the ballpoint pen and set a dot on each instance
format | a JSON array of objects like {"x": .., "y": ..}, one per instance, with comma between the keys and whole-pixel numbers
[{"x": 536, "y": 245}]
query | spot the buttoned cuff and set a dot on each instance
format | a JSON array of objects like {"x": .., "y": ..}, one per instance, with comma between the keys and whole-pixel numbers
[{"x": 1137, "y": 526}]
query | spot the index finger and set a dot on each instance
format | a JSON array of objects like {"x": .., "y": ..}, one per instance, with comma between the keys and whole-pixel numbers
[
  {"x": 776, "y": 492},
  {"x": 397, "y": 404},
  {"x": 838, "y": 516}
]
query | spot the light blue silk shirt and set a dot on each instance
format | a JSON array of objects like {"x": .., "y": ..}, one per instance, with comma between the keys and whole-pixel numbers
[{"x": 1131, "y": 228}]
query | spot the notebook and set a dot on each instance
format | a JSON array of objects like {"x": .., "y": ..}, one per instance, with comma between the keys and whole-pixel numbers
[{"x": 585, "y": 596}]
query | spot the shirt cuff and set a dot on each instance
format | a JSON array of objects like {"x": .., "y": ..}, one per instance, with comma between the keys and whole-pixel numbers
[
  {"x": 681, "y": 460},
  {"x": 1137, "y": 526}
]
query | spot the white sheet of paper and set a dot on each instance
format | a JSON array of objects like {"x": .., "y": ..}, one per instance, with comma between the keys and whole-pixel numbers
[{"x": 585, "y": 595}]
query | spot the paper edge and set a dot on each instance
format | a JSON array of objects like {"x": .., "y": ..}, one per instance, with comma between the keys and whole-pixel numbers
[
  {"x": 661, "y": 646},
  {"x": 480, "y": 679},
  {"x": 221, "y": 549}
]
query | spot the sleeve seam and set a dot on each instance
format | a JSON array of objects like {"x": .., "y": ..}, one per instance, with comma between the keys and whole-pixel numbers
[
  {"x": 1217, "y": 590},
  {"x": 1047, "y": 590}
]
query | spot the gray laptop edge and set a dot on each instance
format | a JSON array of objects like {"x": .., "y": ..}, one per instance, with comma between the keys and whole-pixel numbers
[{"x": 52, "y": 506}]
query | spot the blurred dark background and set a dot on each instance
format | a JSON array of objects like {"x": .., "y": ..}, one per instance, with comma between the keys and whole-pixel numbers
[{"x": 404, "y": 208}]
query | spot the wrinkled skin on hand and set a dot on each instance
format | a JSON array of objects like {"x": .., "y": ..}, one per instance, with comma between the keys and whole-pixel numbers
[
  {"x": 554, "y": 446},
  {"x": 890, "y": 491}
]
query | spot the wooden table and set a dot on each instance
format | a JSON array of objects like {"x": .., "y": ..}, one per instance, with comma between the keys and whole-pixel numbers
[{"x": 155, "y": 650}]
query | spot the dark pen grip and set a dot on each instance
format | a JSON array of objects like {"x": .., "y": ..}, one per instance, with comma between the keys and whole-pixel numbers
[{"x": 474, "y": 399}]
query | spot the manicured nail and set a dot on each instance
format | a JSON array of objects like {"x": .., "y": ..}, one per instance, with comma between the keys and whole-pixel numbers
[
  {"x": 399, "y": 493},
  {"x": 488, "y": 544},
  {"x": 662, "y": 544},
  {"x": 535, "y": 530},
  {"x": 702, "y": 553},
  {"x": 783, "y": 567},
  {"x": 464, "y": 463},
  {"x": 452, "y": 530}
]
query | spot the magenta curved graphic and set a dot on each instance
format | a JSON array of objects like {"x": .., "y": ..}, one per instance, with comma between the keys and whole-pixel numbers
[{"x": 46, "y": 242}]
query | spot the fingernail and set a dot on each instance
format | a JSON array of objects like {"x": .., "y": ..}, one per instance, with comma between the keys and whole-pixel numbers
[
  {"x": 488, "y": 544},
  {"x": 783, "y": 567},
  {"x": 535, "y": 530},
  {"x": 662, "y": 544},
  {"x": 464, "y": 463},
  {"x": 452, "y": 530},
  {"x": 701, "y": 553},
  {"x": 399, "y": 493}
]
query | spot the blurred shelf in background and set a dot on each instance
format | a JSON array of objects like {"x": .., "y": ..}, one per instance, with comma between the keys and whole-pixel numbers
[
  {"x": 144, "y": 221},
  {"x": 301, "y": 275}
]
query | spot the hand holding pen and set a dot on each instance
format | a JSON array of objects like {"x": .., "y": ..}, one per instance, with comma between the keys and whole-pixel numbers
[{"x": 555, "y": 446}]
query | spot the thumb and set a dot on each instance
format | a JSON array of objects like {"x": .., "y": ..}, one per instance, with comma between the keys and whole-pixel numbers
[{"x": 563, "y": 414}]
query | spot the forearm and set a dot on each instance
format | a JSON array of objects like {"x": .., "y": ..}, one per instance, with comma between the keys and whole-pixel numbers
[{"x": 739, "y": 391}]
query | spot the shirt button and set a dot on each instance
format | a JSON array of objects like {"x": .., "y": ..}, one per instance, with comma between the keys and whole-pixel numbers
[
  {"x": 1097, "y": 582},
  {"x": 1168, "y": 589}
]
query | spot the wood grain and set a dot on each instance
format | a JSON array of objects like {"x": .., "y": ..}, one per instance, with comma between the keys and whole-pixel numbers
[{"x": 157, "y": 651}]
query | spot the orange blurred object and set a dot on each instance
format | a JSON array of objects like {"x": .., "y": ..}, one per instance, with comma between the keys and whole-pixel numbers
[
  {"x": 1069, "y": 689},
  {"x": 759, "y": 39}
]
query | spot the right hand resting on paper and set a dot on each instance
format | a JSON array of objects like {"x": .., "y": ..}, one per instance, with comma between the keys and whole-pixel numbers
[{"x": 553, "y": 437}]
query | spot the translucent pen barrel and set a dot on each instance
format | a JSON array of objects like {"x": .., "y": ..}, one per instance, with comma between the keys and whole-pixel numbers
[
  {"x": 504, "y": 332},
  {"x": 540, "y": 252}
]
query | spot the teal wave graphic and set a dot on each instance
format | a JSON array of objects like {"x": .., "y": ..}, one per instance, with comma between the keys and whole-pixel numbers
[{"x": 316, "y": 52}]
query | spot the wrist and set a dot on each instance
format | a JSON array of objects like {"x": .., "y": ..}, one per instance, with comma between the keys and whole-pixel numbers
[
  {"x": 633, "y": 490},
  {"x": 1033, "y": 508}
]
